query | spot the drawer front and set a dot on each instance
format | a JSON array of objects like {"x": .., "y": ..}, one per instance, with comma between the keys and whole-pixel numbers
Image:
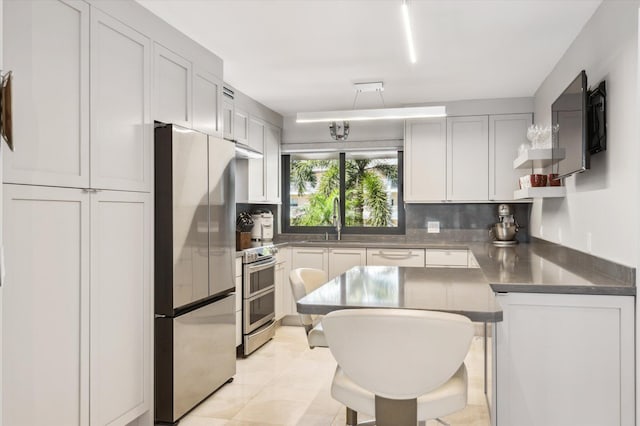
[
  {"x": 436, "y": 257},
  {"x": 395, "y": 257}
]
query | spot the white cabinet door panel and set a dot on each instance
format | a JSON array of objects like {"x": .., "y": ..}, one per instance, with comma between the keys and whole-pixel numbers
[
  {"x": 45, "y": 316},
  {"x": 120, "y": 306},
  {"x": 241, "y": 126},
  {"x": 308, "y": 257},
  {"x": 172, "y": 87},
  {"x": 256, "y": 169},
  {"x": 341, "y": 260},
  {"x": 46, "y": 45},
  {"x": 467, "y": 158},
  {"x": 272, "y": 163},
  {"x": 207, "y": 113},
  {"x": 565, "y": 360},
  {"x": 121, "y": 129},
  {"x": 425, "y": 160},
  {"x": 506, "y": 134},
  {"x": 447, "y": 258},
  {"x": 227, "y": 118}
]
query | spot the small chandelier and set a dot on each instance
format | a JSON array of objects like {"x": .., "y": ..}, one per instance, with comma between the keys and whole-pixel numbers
[{"x": 339, "y": 132}]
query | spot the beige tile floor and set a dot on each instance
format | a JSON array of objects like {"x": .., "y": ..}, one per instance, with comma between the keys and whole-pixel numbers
[{"x": 286, "y": 383}]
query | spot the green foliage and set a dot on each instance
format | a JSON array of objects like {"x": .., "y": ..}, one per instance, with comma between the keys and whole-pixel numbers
[{"x": 364, "y": 185}]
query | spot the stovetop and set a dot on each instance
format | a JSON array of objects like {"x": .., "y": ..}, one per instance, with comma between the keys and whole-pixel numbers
[{"x": 258, "y": 251}]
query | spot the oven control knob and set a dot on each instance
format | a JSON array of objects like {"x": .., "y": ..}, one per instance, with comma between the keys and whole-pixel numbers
[{"x": 274, "y": 250}]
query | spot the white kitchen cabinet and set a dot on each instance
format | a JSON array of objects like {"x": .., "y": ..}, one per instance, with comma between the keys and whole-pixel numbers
[
  {"x": 451, "y": 258},
  {"x": 343, "y": 259},
  {"x": 272, "y": 163},
  {"x": 284, "y": 299},
  {"x": 172, "y": 87},
  {"x": 45, "y": 366},
  {"x": 120, "y": 312},
  {"x": 207, "y": 106},
  {"x": 228, "y": 113},
  {"x": 241, "y": 126},
  {"x": 565, "y": 359},
  {"x": 78, "y": 301},
  {"x": 121, "y": 127},
  {"x": 425, "y": 160},
  {"x": 46, "y": 45},
  {"x": 506, "y": 133},
  {"x": 256, "y": 166},
  {"x": 467, "y": 158},
  {"x": 395, "y": 257},
  {"x": 310, "y": 257},
  {"x": 238, "y": 266}
]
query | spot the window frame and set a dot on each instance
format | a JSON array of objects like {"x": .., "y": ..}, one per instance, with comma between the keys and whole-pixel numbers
[{"x": 287, "y": 228}]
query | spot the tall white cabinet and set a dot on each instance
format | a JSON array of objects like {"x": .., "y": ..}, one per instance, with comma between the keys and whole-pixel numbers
[
  {"x": 77, "y": 218},
  {"x": 46, "y": 306},
  {"x": 120, "y": 311}
]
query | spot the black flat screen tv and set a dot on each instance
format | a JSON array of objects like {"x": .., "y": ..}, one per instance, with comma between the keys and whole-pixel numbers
[{"x": 570, "y": 123}]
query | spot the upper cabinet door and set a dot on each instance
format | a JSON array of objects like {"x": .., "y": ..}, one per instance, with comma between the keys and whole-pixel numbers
[
  {"x": 425, "y": 160},
  {"x": 172, "y": 87},
  {"x": 207, "y": 108},
  {"x": 506, "y": 133},
  {"x": 272, "y": 163},
  {"x": 121, "y": 127},
  {"x": 46, "y": 45},
  {"x": 241, "y": 126},
  {"x": 257, "y": 134},
  {"x": 227, "y": 118},
  {"x": 467, "y": 158}
]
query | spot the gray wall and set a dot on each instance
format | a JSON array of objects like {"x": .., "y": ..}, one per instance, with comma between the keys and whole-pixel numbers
[{"x": 606, "y": 48}]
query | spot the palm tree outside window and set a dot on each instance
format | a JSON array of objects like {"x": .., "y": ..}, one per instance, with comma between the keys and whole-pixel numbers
[{"x": 368, "y": 185}]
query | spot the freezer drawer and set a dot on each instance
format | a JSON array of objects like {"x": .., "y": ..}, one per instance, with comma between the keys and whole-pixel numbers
[{"x": 195, "y": 355}]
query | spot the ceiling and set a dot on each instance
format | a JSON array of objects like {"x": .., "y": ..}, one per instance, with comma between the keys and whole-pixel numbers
[{"x": 305, "y": 55}]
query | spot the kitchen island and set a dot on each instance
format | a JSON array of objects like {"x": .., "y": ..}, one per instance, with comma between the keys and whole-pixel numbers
[{"x": 562, "y": 351}]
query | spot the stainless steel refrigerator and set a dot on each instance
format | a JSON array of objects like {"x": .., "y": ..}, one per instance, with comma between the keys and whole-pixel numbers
[{"x": 194, "y": 268}]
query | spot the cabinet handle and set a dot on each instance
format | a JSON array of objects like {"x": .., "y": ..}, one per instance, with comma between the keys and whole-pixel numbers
[
  {"x": 310, "y": 252},
  {"x": 396, "y": 255}
]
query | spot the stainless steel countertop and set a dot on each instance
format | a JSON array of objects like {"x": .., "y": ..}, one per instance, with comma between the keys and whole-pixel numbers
[
  {"x": 536, "y": 267},
  {"x": 462, "y": 291}
]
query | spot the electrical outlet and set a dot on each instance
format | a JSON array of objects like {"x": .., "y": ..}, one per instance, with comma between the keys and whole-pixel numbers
[{"x": 433, "y": 227}]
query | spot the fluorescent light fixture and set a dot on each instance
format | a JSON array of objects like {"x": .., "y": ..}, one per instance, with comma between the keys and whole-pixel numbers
[
  {"x": 407, "y": 30},
  {"x": 371, "y": 114},
  {"x": 245, "y": 151}
]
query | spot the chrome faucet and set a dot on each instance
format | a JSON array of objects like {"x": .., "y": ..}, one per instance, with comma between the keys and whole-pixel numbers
[{"x": 337, "y": 220}]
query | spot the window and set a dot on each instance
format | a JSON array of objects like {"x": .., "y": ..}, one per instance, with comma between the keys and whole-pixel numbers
[{"x": 367, "y": 187}]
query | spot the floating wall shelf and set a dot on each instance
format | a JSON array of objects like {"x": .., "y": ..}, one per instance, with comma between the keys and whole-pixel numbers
[
  {"x": 541, "y": 192},
  {"x": 538, "y": 158}
]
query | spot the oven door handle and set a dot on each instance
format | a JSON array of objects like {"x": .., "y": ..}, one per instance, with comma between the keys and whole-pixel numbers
[{"x": 259, "y": 266}]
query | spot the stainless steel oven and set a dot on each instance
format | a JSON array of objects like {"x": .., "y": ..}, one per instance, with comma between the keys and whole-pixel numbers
[{"x": 258, "y": 294}]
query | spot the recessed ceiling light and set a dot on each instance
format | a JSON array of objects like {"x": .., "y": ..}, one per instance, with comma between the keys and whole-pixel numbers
[{"x": 407, "y": 30}]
